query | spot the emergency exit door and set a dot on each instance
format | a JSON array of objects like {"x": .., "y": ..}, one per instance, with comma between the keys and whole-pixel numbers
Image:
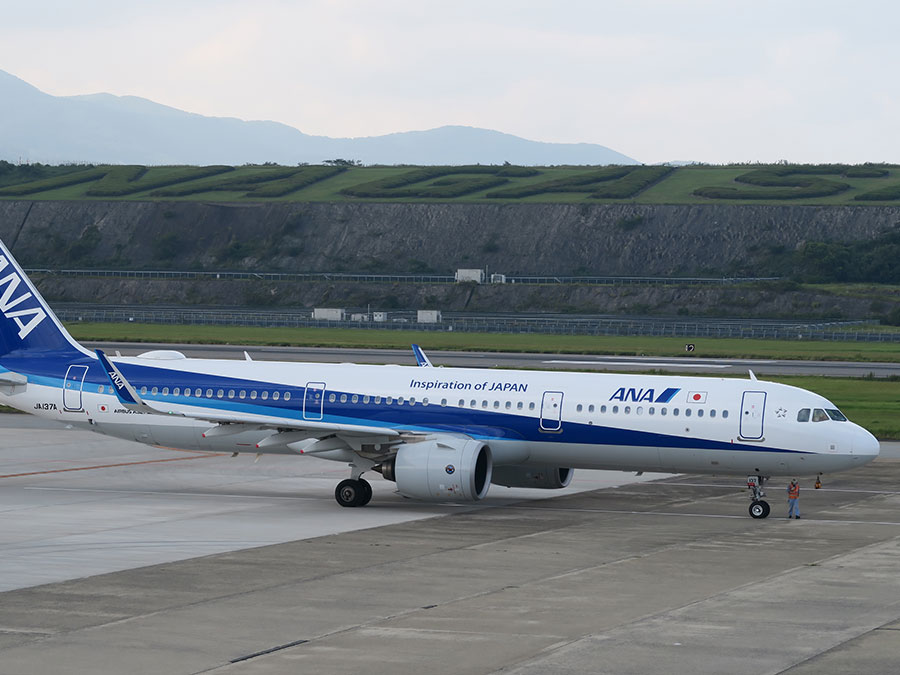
[
  {"x": 551, "y": 411},
  {"x": 72, "y": 388},
  {"x": 313, "y": 400},
  {"x": 753, "y": 408}
]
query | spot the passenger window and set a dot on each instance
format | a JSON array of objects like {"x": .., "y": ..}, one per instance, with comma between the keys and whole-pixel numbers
[
  {"x": 473, "y": 403},
  {"x": 154, "y": 391},
  {"x": 663, "y": 411},
  {"x": 531, "y": 406},
  {"x": 424, "y": 401},
  {"x": 627, "y": 409},
  {"x": 330, "y": 398},
  {"x": 412, "y": 400},
  {"x": 803, "y": 415},
  {"x": 509, "y": 405},
  {"x": 615, "y": 409},
  {"x": 724, "y": 414},
  {"x": 389, "y": 400},
  {"x": 496, "y": 405},
  {"x": 276, "y": 395},
  {"x": 443, "y": 402},
  {"x": 519, "y": 405},
  {"x": 400, "y": 400},
  {"x": 484, "y": 404},
  {"x": 700, "y": 412},
  {"x": 343, "y": 398},
  {"x": 253, "y": 395},
  {"x": 220, "y": 393},
  {"x": 591, "y": 408},
  {"x": 712, "y": 413},
  {"x": 578, "y": 408},
  {"x": 687, "y": 412},
  {"x": 819, "y": 415},
  {"x": 651, "y": 410},
  {"x": 143, "y": 391},
  {"x": 287, "y": 396},
  {"x": 675, "y": 412},
  {"x": 176, "y": 391},
  {"x": 209, "y": 393},
  {"x": 231, "y": 393},
  {"x": 365, "y": 400},
  {"x": 355, "y": 398},
  {"x": 639, "y": 410},
  {"x": 377, "y": 400},
  {"x": 243, "y": 393},
  {"x": 603, "y": 408},
  {"x": 265, "y": 395},
  {"x": 462, "y": 403}
]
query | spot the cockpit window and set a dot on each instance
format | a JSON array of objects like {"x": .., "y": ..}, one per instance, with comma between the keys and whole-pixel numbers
[
  {"x": 819, "y": 415},
  {"x": 803, "y": 415},
  {"x": 836, "y": 415}
]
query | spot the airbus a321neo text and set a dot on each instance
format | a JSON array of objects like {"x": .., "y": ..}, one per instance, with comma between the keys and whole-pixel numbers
[{"x": 439, "y": 433}]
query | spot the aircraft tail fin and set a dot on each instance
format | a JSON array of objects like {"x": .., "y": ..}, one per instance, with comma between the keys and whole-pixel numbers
[{"x": 27, "y": 324}]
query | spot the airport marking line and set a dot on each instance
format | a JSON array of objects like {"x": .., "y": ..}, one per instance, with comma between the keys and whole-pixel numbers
[
  {"x": 641, "y": 364},
  {"x": 106, "y": 466}
]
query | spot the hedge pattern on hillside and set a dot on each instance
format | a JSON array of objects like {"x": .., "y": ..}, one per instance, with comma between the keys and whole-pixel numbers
[
  {"x": 792, "y": 182},
  {"x": 612, "y": 182},
  {"x": 439, "y": 182},
  {"x": 127, "y": 180},
  {"x": 275, "y": 182},
  {"x": 54, "y": 183}
]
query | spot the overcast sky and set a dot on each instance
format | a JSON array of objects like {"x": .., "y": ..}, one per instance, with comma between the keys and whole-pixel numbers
[{"x": 704, "y": 80}]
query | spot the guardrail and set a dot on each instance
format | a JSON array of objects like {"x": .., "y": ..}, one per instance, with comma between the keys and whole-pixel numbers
[{"x": 853, "y": 331}]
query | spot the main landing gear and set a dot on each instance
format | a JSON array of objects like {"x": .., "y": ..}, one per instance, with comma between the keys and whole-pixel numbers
[
  {"x": 353, "y": 492},
  {"x": 759, "y": 508}
]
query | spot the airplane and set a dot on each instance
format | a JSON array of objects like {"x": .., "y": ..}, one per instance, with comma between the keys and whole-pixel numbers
[{"x": 440, "y": 434}]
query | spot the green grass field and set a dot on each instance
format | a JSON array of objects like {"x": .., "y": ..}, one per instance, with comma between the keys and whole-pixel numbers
[
  {"x": 497, "y": 342},
  {"x": 677, "y": 187}
]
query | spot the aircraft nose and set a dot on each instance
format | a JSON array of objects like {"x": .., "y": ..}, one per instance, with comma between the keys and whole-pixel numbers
[{"x": 865, "y": 445}]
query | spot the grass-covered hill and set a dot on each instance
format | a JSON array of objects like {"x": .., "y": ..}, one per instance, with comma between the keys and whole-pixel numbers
[{"x": 341, "y": 181}]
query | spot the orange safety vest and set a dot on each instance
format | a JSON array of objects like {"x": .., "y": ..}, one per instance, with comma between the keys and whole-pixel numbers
[{"x": 794, "y": 491}]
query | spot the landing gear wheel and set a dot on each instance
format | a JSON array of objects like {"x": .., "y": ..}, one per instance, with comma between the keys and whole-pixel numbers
[
  {"x": 366, "y": 492},
  {"x": 350, "y": 493},
  {"x": 759, "y": 509}
]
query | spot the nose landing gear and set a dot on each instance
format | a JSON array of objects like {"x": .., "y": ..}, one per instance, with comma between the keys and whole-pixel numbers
[{"x": 759, "y": 508}]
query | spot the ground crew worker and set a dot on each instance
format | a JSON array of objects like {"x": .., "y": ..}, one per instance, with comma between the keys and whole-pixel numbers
[{"x": 793, "y": 492}]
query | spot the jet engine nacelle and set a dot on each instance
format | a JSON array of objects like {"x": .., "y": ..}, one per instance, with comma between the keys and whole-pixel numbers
[
  {"x": 440, "y": 469},
  {"x": 542, "y": 477}
]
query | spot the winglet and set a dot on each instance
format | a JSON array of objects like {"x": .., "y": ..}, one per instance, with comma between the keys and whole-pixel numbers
[
  {"x": 421, "y": 359},
  {"x": 753, "y": 376},
  {"x": 127, "y": 394}
]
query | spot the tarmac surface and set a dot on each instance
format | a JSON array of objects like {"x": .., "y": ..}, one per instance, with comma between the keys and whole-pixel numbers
[{"x": 164, "y": 562}]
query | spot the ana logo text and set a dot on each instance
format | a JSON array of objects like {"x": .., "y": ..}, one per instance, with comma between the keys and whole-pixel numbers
[
  {"x": 27, "y": 319},
  {"x": 643, "y": 395}
]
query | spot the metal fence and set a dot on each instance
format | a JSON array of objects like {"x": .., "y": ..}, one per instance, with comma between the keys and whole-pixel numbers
[
  {"x": 393, "y": 278},
  {"x": 558, "y": 325}
]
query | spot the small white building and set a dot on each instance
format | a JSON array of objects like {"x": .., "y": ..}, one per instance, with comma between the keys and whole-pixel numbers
[
  {"x": 359, "y": 317},
  {"x": 498, "y": 278},
  {"x": 428, "y": 316},
  {"x": 379, "y": 317},
  {"x": 328, "y": 314},
  {"x": 470, "y": 275}
]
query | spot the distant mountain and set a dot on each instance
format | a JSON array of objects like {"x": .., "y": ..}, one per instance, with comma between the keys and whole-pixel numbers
[{"x": 102, "y": 128}]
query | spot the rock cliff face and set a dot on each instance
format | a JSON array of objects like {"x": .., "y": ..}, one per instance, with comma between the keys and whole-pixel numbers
[
  {"x": 529, "y": 239},
  {"x": 524, "y": 239}
]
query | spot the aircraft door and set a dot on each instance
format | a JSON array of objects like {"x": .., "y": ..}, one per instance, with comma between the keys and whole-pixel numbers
[
  {"x": 551, "y": 411},
  {"x": 753, "y": 406},
  {"x": 313, "y": 400},
  {"x": 72, "y": 388}
]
